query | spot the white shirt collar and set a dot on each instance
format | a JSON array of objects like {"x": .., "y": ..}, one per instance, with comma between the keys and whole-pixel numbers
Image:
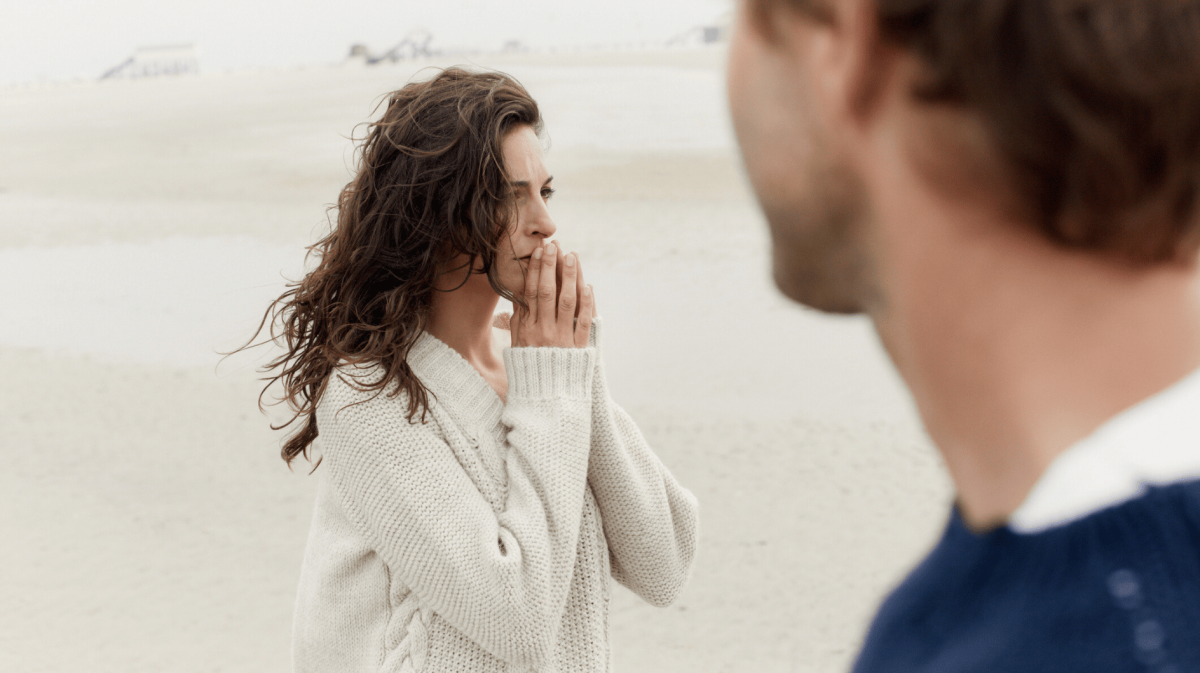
[{"x": 1157, "y": 441}]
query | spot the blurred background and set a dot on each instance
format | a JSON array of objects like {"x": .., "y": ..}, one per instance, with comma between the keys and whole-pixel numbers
[{"x": 165, "y": 164}]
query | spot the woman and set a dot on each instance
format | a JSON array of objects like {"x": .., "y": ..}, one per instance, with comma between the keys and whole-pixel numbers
[{"x": 477, "y": 485}]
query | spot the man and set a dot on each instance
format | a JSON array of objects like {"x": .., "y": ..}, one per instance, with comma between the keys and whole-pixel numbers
[{"x": 1010, "y": 190}]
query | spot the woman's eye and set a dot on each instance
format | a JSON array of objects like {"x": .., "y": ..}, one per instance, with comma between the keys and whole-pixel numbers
[{"x": 547, "y": 193}]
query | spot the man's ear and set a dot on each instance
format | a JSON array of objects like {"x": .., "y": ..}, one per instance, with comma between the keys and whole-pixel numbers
[{"x": 852, "y": 59}]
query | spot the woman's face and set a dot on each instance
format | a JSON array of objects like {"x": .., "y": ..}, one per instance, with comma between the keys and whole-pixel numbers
[{"x": 530, "y": 182}]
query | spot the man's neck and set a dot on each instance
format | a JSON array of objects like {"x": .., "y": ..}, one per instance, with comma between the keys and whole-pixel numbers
[{"x": 1015, "y": 349}]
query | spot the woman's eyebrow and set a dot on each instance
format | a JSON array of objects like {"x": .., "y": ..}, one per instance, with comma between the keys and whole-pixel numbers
[{"x": 521, "y": 184}]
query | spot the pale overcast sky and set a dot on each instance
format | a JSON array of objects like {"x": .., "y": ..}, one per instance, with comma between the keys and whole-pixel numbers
[{"x": 65, "y": 39}]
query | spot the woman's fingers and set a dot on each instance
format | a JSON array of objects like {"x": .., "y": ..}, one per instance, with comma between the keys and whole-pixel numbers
[
  {"x": 546, "y": 289},
  {"x": 559, "y": 309},
  {"x": 580, "y": 283},
  {"x": 558, "y": 270},
  {"x": 514, "y": 325},
  {"x": 583, "y": 326},
  {"x": 532, "y": 277},
  {"x": 567, "y": 297},
  {"x": 582, "y": 286}
]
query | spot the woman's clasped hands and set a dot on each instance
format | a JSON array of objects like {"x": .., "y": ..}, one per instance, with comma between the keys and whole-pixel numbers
[{"x": 557, "y": 314}]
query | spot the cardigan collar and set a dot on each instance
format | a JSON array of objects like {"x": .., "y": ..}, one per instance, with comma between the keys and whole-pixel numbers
[{"x": 457, "y": 386}]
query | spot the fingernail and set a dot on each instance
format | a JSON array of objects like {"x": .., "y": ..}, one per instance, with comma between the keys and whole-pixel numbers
[
  {"x": 587, "y": 291},
  {"x": 570, "y": 261},
  {"x": 550, "y": 249},
  {"x": 537, "y": 254}
]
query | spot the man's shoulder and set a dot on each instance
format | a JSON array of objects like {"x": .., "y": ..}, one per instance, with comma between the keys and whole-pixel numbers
[{"x": 1101, "y": 593}]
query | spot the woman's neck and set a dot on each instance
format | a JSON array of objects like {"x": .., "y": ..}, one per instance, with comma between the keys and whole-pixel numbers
[{"x": 461, "y": 316}]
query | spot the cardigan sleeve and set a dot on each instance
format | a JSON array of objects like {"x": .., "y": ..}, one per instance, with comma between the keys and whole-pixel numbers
[
  {"x": 502, "y": 578},
  {"x": 650, "y": 521}
]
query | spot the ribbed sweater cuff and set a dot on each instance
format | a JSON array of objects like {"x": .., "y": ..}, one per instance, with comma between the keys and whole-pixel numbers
[{"x": 549, "y": 373}]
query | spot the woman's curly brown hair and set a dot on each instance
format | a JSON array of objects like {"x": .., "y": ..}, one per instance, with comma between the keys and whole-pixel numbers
[{"x": 431, "y": 186}]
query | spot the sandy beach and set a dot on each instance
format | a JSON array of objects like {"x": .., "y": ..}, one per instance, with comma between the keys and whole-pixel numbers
[{"x": 149, "y": 524}]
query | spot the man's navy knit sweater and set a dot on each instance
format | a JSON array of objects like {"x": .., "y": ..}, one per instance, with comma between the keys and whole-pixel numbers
[{"x": 1117, "y": 590}]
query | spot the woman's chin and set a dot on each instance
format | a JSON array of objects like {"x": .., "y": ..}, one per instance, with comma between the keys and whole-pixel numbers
[{"x": 513, "y": 281}]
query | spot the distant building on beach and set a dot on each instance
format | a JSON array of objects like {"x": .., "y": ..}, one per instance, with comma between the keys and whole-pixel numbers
[
  {"x": 714, "y": 33},
  {"x": 157, "y": 62},
  {"x": 414, "y": 45}
]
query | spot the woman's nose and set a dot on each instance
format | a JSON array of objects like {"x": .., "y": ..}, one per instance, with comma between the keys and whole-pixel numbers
[{"x": 542, "y": 225}]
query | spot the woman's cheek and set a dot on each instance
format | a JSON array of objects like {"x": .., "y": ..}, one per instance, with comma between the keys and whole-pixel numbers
[{"x": 512, "y": 275}]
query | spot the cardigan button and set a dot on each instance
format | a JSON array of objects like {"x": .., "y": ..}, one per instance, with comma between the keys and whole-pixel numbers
[
  {"x": 1124, "y": 587},
  {"x": 1149, "y": 636}
]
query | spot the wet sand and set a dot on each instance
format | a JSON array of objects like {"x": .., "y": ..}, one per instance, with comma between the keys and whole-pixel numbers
[{"x": 150, "y": 525}]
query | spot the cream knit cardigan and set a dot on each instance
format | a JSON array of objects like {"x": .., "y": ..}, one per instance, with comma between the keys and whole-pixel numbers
[{"x": 483, "y": 539}]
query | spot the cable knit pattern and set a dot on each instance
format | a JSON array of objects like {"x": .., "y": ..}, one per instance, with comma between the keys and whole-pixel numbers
[
  {"x": 483, "y": 538},
  {"x": 409, "y": 652}
]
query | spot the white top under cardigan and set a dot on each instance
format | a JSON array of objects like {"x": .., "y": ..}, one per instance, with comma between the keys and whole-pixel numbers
[
  {"x": 1154, "y": 442},
  {"x": 483, "y": 539}
]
